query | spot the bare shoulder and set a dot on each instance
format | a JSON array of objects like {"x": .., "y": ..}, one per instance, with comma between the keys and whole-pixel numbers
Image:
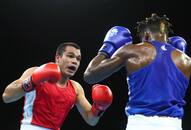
[
  {"x": 136, "y": 46},
  {"x": 75, "y": 83},
  {"x": 189, "y": 62},
  {"x": 184, "y": 57},
  {"x": 186, "y": 60},
  {"x": 182, "y": 61},
  {"x": 133, "y": 49},
  {"x": 77, "y": 86}
]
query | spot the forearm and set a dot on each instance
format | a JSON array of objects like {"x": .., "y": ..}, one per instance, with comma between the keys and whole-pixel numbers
[
  {"x": 92, "y": 119},
  {"x": 101, "y": 67},
  {"x": 87, "y": 114},
  {"x": 92, "y": 113},
  {"x": 13, "y": 92}
]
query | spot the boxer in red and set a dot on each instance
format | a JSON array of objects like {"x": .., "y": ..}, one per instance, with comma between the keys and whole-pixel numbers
[{"x": 50, "y": 93}]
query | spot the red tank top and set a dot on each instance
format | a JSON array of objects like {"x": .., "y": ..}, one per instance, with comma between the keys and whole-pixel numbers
[{"x": 48, "y": 105}]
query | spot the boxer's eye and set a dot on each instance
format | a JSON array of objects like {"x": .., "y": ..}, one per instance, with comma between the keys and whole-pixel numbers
[
  {"x": 78, "y": 58},
  {"x": 70, "y": 56}
]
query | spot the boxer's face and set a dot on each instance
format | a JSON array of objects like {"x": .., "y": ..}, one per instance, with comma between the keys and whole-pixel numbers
[{"x": 69, "y": 61}]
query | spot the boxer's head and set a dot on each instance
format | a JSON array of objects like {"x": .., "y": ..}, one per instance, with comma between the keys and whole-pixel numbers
[
  {"x": 68, "y": 57},
  {"x": 154, "y": 28}
]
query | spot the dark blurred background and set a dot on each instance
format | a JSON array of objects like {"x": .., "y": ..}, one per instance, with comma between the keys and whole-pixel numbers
[{"x": 31, "y": 30}]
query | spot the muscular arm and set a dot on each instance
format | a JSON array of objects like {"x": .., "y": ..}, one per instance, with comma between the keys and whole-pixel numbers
[
  {"x": 84, "y": 107},
  {"x": 100, "y": 67},
  {"x": 190, "y": 65},
  {"x": 14, "y": 91}
]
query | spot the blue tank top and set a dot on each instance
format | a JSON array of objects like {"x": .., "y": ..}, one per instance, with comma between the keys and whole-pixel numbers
[{"x": 158, "y": 88}]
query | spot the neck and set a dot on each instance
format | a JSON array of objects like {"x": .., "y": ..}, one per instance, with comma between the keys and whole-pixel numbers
[
  {"x": 160, "y": 38},
  {"x": 63, "y": 81}
]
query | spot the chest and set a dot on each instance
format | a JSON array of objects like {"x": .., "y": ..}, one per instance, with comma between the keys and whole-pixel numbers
[{"x": 53, "y": 95}]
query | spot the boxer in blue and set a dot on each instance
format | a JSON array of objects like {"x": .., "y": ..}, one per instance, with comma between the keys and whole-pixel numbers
[{"x": 157, "y": 70}]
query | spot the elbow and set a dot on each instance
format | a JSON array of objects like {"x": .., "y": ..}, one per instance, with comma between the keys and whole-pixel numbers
[
  {"x": 90, "y": 119},
  {"x": 5, "y": 98},
  {"x": 88, "y": 78},
  {"x": 92, "y": 122}
]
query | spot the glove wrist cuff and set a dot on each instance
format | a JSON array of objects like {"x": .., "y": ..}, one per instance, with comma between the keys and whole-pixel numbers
[
  {"x": 107, "y": 48},
  {"x": 96, "y": 111},
  {"x": 28, "y": 85}
]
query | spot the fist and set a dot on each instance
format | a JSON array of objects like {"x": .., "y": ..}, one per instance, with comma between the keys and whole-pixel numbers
[
  {"x": 102, "y": 96},
  {"x": 49, "y": 72},
  {"x": 115, "y": 38},
  {"x": 178, "y": 42}
]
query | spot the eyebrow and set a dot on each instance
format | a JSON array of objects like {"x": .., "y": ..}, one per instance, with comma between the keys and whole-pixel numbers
[
  {"x": 70, "y": 52},
  {"x": 73, "y": 53}
]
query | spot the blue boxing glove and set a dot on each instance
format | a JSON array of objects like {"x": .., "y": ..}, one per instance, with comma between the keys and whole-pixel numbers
[
  {"x": 116, "y": 37},
  {"x": 178, "y": 42}
]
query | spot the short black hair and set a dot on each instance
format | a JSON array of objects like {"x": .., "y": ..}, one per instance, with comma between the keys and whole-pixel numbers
[
  {"x": 61, "y": 47},
  {"x": 155, "y": 24}
]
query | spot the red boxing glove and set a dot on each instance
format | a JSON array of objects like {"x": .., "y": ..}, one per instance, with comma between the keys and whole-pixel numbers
[
  {"x": 48, "y": 72},
  {"x": 102, "y": 98}
]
